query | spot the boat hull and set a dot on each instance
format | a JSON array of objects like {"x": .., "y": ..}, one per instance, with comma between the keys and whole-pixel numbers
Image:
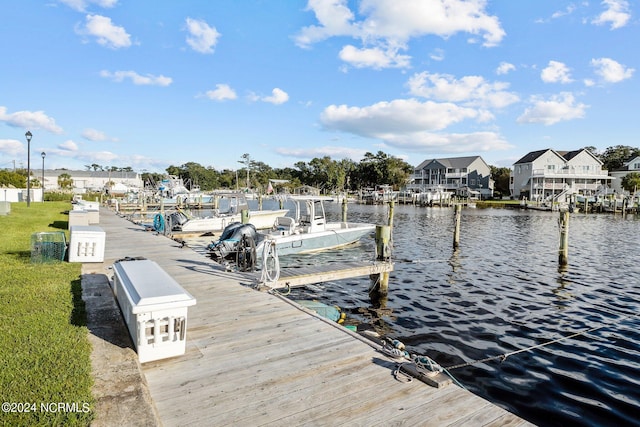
[
  {"x": 331, "y": 238},
  {"x": 260, "y": 219}
]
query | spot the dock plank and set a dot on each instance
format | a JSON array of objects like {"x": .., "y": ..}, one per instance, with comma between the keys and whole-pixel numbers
[{"x": 254, "y": 359}]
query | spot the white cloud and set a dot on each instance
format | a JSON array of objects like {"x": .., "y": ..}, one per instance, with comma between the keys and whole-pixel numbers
[
  {"x": 556, "y": 72},
  {"x": 611, "y": 71},
  {"x": 68, "y": 145},
  {"x": 107, "y": 34},
  {"x": 222, "y": 92},
  {"x": 448, "y": 142},
  {"x": 505, "y": 68},
  {"x": 397, "y": 116},
  {"x": 412, "y": 125},
  {"x": 375, "y": 58},
  {"x": 81, "y": 5},
  {"x": 469, "y": 90},
  {"x": 30, "y": 120},
  {"x": 11, "y": 147},
  {"x": 437, "y": 55},
  {"x": 96, "y": 135},
  {"x": 331, "y": 151},
  {"x": 202, "y": 37},
  {"x": 278, "y": 96},
  {"x": 558, "y": 108},
  {"x": 617, "y": 14},
  {"x": 137, "y": 79},
  {"x": 388, "y": 25}
]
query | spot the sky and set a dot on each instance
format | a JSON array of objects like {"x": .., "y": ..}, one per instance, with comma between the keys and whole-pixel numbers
[{"x": 149, "y": 84}]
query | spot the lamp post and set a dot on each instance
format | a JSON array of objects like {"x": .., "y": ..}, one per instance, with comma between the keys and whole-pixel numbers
[
  {"x": 28, "y": 136},
  {"x": 43, "y": 154}
]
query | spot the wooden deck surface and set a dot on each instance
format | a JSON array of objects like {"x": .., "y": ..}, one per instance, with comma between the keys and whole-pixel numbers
[{"x": 253, "y": 358}]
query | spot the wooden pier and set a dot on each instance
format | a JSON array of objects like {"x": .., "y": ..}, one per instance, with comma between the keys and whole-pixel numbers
[
  {"x": 292, "y": 277},
  {"x": 255, "y": 358}
]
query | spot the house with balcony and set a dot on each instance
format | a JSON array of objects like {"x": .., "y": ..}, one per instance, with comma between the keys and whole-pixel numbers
[
  {"x": 463, "y": 176},
  {"x": 554, "y": 176}
]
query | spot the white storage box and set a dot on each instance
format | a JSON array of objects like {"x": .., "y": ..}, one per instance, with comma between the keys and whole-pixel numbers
[
  {"x": 86, "y": 243},
  {"x": 78, "y": 217},
  {"x": 93, "y": 216},
  {"x": 154, "y": 307},
  {"x": 86, "y": 205}
]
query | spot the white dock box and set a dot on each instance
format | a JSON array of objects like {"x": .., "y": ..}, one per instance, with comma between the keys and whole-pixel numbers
[
  {"x": 86, "y": 243},
  {"x": 78, "y": 217},
  {"x": 154, "y": 307}
]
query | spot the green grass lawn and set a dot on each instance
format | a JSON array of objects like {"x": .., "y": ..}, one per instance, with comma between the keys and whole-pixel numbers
[{"x": 45, "y": 365}]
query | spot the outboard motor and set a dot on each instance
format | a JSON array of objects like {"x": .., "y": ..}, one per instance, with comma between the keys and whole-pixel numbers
[
  {"x": 176, "y": 219},
  {"x": 238, "y": 243}
]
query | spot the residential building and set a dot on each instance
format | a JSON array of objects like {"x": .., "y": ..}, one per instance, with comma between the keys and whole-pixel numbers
[
  {"x": 464, "y": 176},
  {"x": 550, "y": 175},
  {"x": 632, "y": 165},
  {"x": 91, "y": 180}
]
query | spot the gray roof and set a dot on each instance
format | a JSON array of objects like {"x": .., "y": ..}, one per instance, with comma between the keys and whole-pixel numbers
[{"x": 450, "y": 162}]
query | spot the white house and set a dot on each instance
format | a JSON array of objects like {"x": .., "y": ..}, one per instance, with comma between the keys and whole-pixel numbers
[
  {"x": 91, "y": 180},
  {"x": 549, "y": 175},
  {"x": 459, "y": 175},
  {"x": 632, "y": 165}
]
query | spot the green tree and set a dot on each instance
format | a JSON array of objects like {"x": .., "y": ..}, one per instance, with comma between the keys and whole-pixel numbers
[
  {"x": 17, "y": 179},
  {"x": 614, "y": 157},
  {"x": 631, "y": 182},
  {"x": 65, "y": 182},
  {"x": 501, "y": 178}
]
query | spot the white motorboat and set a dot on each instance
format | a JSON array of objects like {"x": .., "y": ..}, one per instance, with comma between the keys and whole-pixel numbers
[
  {"x": 309, "y": 231},
  {"x": 179, "y": 221}
]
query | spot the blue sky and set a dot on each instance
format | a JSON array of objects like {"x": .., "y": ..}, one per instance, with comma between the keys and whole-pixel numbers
[{"x": 148, "y": 84}]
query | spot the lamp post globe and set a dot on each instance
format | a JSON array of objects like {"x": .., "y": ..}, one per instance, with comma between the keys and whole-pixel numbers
[{"x": 28, "y": 136}]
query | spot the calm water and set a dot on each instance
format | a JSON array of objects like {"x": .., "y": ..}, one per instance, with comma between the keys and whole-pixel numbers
[{"x": 502, "y": 291}]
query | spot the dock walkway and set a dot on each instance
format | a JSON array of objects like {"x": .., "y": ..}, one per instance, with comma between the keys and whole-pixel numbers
[{"x": 253, "y": 358}]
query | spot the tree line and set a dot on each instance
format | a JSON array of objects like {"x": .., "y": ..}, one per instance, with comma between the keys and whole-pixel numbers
[{"x": 323, "y": 173}]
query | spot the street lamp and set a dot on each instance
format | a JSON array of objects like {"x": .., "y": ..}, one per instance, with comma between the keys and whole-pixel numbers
[
  {"x": 28, "y": 136},
  {"x": 43, "y": 154}
]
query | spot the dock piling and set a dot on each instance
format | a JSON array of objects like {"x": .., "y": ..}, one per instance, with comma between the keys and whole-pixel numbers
[
  {"x": 563, "y": 256},
  {"x": 379, "y": 288},
  {"x": 456, "y": 233},
  {"x": 344, "y": 210}
]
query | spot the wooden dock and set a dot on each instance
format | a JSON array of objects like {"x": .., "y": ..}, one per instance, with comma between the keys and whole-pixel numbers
[
  {"x": 292, "y": 277},
  {"x": 254, "y": 358}
]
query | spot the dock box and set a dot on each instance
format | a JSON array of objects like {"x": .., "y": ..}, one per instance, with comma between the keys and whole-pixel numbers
[
  {"x": 93, "y": 216},
  {"x": 78, "y": 217},
  {"x": 86, "y": 243},
  {"x": 154, "y": 307}
]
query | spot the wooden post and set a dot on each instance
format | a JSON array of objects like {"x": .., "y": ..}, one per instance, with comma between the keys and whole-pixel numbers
[
  {"x": 344, "y": 210},
  {"x": 456, "y": 232},
  {"x": 563, "y": 256},
  {"x": 259, "y": 202},
  {"x": 281, "y": 202},
  {"x": 379, "y": 288},
  {"x": 244, "y": 215},
  {"x": 391, "y": 209}
]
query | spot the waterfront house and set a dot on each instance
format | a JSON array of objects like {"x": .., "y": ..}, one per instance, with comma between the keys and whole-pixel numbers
[
  {"x": 463, "y": 176},
  {"x": 553, "y": 176},
  {"x": 632, "y": 165}
]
